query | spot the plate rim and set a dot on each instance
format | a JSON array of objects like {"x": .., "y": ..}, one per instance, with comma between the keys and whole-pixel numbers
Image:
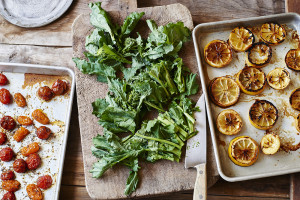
[{"x": 13, "y": 20}]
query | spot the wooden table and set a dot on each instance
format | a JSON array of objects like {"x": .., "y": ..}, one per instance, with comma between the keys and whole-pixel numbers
[{"x": 52, "y": 45}]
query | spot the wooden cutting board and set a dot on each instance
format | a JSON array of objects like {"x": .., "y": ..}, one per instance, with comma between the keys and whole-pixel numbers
[{"x": 159, "y": 178}]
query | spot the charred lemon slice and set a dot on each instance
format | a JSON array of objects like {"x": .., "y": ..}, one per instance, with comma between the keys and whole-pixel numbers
[
  {"x": 224, "y": 91},
  {"x": 241, "y": 39},
  {"x": 292, "y": 59},
  {"x": 217, "y": 53},
  {"x": 263, "y": 114},
  {"x": 229, "y": 122},
  {"x": 272, "y": 33},
  {"x": 298, "y": 123},
  {"x": 278, "y": 78},
  {"x": 259, "y": 55},
  {"x": 251, "y": 80},
  {"x": 243, "y": 151},
  {"x": 295, "y": 99},
  {"x": 270, "y": 144}
]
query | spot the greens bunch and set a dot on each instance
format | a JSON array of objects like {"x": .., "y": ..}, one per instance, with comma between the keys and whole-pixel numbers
[{"x": 154, "y": 79}]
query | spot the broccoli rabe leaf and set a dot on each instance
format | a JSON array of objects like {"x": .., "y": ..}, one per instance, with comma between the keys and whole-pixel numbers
[
  {"x": 130, "y": 22},
  {"x": 101, "y": 20}
]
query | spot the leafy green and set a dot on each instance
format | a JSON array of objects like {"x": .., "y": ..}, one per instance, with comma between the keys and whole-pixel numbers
[
  {"x": 143, "y": 75},
  {"x": 100, "y": 19},
  {"x": 130, "y": 22}
]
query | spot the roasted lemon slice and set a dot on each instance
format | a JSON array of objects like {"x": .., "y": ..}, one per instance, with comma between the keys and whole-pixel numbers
[
  {"x": 278, "y": 78},
  {"x": 243, "y": 151},
  {"x": 272, "y": 33},
  {"x": 229, "y": 122},
  {"x": 259, "y": 55},
  {"x": 298, "y": 123},
  {"x": 251, "y": 80},
  {"x": 241, "y": 39},
  {"x": 292, "y": 59},
  {"x": 217, "y": 53},
  {"x": 295, "y": 99},
  {"x": 263, "y": 114},
  {"x": 224, "y": 91},
  {"x": 270, "y": 144}
]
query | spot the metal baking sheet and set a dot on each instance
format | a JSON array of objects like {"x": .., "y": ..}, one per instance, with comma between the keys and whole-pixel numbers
[
  {"x": 33, "y": 13},
  {"x": 266, "y": 165},
  {"x": 26, "y": 79}
]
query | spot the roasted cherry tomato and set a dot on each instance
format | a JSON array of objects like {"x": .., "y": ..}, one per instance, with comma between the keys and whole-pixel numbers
[
  {"x": 20, "y": 166},
  {"x": 11, "y": 185},
  {"x": 45, "y": 93},
  {"x": 5, "y": 96},
  {"x": 9, "y": 196},
  {"x": 3, "y": 79},
  {"x": 33, "y": 161},
  {"x": 30, "y": 149},
  {"x": 40, "y": 116},
  {"x": 20, "y": 100},
  {"x": 6, "y": 154},
  {"x": 25, "y": 121},
  {"x": 3, "y": 138},
  {"x": 7, "y": 175},
  {"x": 59, "y": 87},
  {"x": 8, "y": 123},
  {"x": 43, "y": 132},
  {"x": 20, "y": 134},
  {"x": 44, "y": 182},
  {"x": 34, "y": 192}
]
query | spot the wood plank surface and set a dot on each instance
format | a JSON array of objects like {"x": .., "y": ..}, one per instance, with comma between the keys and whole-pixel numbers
[{"x": 57, "y": 34}]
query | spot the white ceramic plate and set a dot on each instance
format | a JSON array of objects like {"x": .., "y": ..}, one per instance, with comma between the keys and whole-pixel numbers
[{"x": 33, "y": 13}]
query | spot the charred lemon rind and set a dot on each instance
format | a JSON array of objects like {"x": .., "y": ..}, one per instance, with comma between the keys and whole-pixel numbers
[
  {"x": 270, "y": 144},
  {"x": 229, "y": 122},
  {"x": 295, "y": 99},
  {"x": 292, "y": 59},
  {"x": 250, "y": 77},
  {"x": 272, "y": 33},
  {"x": 298, "y": 123},
  {"x": 254, "y": 152},
  {"x": 241, "y": 39},
  {"x": 262, "y": 49},
  {"x": 269, "y": 113},
  {"x": 278, "y": 78},
  {"x": 218, "y": 53},
  {"x": 232, "y": 85}
]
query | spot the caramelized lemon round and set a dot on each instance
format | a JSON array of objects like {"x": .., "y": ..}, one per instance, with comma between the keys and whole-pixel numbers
[
  {"x": 295, "y": 99},
  {"x": 229, "y": 122},
  {"x": 278, "y": 78},
  {"x": 270, "y": 144},
  {"x": 292, "y": 59},
  {"x": 217, "y": 53},
  {"x": 263, "y": 114},
  {"x": 259, "y": 55},
  {"x": 251, "y": 80},
  {"x": 243, "y": 151},
  {"x": 272, "y": 33},
  {"x": 241, "y": 39},
  {"x": 224, "y": 91}
]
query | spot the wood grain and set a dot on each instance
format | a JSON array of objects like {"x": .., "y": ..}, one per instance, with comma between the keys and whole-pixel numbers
[
  {"x": 57, "y": 33},
  {"x": 212, "y": 10}
]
